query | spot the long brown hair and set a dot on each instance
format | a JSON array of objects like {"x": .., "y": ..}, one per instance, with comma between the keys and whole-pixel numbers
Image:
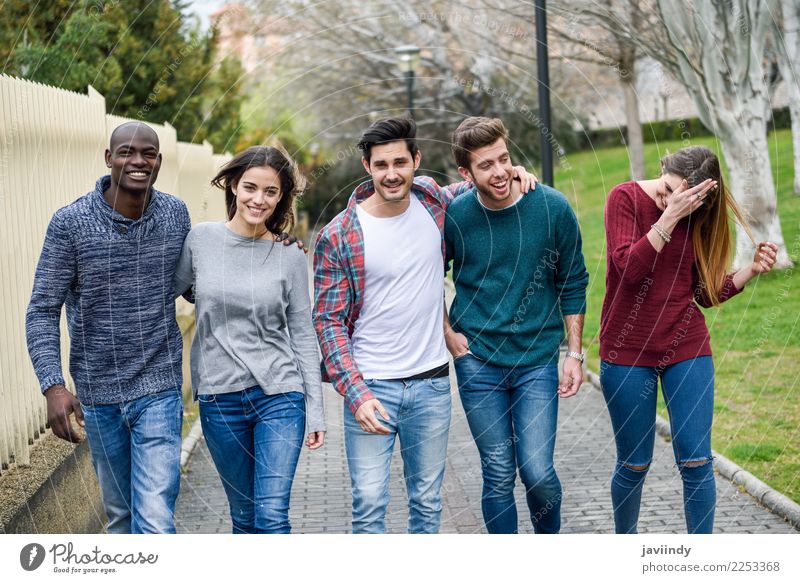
[
  {"x": 275, "y": 157},
  {"x": 711, "y": 233}
]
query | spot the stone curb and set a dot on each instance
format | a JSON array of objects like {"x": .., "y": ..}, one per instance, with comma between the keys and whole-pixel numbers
[
  {"x": 190, "y": 441},
  {"x": 776, "y": 502}
]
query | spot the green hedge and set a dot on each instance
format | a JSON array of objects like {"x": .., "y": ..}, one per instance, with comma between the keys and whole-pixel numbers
[{"x": 660, "y": 131}]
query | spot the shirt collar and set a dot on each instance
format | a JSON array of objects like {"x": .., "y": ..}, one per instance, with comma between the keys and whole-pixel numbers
[
  {"x": 101, "y": 203},
  {"x": 420, "y": 188}
]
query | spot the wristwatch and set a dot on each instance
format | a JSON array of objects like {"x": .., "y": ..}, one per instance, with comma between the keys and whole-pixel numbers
[{"x": 577, "y": 355}]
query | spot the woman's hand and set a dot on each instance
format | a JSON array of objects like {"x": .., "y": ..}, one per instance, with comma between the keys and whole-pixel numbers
[
  {"x": 764, "y": 258},
  {"x": 684, "y": 200},
  {"x": 315, "y": 439}
]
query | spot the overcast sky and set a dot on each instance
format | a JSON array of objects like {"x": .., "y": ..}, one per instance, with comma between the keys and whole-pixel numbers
[{"x": 204, "y": 8}]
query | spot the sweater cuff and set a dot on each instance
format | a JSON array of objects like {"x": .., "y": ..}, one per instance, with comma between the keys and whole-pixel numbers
[
  {"x": 49, "y": 381},
  {"x": 314, "y": 426},
  {"x": 573, "y": 307},
  {"x": 729, "y": 289}
]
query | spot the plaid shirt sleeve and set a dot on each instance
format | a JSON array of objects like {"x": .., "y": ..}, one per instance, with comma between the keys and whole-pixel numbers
[
  {"x": 456, "y": 189},
  {"x": 333, "y": 297}
]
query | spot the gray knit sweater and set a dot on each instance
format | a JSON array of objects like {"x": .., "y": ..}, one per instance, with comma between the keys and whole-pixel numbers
[
  {"x": 253, "y": 314},
  {"x": 115, "y": 275}
]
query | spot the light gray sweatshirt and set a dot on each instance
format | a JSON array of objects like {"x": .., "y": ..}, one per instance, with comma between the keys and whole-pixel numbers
[{"x": 253, "y": 314}]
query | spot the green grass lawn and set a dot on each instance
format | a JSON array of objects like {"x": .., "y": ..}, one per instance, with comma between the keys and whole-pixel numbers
[{"x": 755, "y": 336}]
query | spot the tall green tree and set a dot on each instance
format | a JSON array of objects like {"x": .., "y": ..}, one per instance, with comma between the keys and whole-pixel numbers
[
  {"x": 145, "y": 56},
  {"x": 21, "y": 24}
]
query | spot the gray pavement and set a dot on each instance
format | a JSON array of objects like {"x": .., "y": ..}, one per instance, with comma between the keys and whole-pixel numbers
[{"x": 584, "y": 461}]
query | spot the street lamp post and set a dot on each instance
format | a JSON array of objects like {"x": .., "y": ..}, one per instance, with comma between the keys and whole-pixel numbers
[
  {"x": 544, "y": 92},
  {"x": 408, "y": 55}
]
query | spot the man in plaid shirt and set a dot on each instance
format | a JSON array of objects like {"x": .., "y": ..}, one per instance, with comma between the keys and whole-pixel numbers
[{"x": 379, "y": 312}]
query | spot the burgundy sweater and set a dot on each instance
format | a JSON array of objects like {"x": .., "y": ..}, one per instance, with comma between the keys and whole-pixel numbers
[{"x": 650, "y": 312}]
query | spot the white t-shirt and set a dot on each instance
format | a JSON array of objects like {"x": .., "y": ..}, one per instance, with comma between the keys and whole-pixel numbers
[{"x": 399, "y": 331}]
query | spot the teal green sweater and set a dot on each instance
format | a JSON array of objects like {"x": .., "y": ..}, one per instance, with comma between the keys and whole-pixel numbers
[{"x": 517, "y": 272}]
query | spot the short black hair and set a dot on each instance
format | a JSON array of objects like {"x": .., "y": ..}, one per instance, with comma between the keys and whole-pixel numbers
[
  {"x": 124, "y": 131},
  {"x": 390, "y": 129}
]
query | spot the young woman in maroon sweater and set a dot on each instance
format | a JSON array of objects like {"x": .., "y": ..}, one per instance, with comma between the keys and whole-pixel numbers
[{"x": 668, "y": 250}]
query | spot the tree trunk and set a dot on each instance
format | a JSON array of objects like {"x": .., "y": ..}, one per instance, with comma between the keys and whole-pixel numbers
[
  {"x": 789, "y": 62},
  {"x": 794, "y": 107},
  {"x": 635, "y": 141},
  {"x": 718, "y": 47},
  {"x": 634, "y": 134},
  {"x": 747, "y": 153}
]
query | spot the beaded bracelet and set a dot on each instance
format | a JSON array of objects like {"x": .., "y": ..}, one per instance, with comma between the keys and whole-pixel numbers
[{"x": 661, "y": 233}]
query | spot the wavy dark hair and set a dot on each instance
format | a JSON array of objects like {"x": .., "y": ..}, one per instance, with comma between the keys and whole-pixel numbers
[
  {"x": 711, "y": 233},
  {"x": 275, "y": 157},
  {"x": 390, "y": 129}
]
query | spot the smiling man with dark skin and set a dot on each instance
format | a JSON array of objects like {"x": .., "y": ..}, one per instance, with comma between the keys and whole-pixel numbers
[
  {"x": 110, "y": 257},
  {"x": 135, "y": 161}
]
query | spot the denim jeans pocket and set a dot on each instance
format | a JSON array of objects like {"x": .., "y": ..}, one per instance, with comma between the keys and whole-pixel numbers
[
  {"x": 440, "y": 384},
  {"x": 467, "y": 361},
  {"x": 207, "y": 398}
]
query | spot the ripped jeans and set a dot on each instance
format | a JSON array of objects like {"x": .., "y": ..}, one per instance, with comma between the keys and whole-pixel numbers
[{"x": 630, "y": 394}]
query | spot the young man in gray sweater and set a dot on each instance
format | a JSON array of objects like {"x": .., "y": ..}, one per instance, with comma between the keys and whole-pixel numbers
[{"x": 110, "y": 256}]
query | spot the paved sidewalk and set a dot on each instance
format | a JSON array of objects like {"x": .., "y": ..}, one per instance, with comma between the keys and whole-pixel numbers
[{"x": 584, "y": 461}]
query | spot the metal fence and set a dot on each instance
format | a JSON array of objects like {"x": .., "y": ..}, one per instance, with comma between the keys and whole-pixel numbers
[{"x": 52, "y": 145}]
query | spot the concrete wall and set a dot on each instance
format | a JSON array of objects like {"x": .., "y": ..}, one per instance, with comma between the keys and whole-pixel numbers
[{"x": 57, "y": 493}]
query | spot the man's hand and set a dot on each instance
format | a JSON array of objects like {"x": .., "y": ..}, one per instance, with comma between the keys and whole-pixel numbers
[
  {"x": 288, "y": 239},
  {"x": 365, "y": 415},
  {"x": 572, "y": 378},
  {"x": 456, "y": 343},
  {"x": 60, "y": 405},
  {"x": 315, "y": 439},
  {"x": 527, "y": 180}
]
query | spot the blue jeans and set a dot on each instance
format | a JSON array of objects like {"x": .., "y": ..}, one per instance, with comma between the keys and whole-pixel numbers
[
  {"x": 512, "y": 414},
  {"x": 255, "y": 441},
  {"x": 136, "y": 453},
  {"x": 419, "y": 414},
  {"x": 630, "y": 393}
]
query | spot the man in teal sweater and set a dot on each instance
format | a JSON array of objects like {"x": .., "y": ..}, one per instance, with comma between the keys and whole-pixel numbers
[{"x": 520, "y": 277}]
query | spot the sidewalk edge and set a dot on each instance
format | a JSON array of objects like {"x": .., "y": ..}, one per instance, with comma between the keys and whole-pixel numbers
[
  {"x": 190, "y": 441},
  {"x": 777, "y": 503}
]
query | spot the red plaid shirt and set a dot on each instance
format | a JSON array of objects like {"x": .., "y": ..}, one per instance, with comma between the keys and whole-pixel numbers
[{"x": 339, "y": 282}]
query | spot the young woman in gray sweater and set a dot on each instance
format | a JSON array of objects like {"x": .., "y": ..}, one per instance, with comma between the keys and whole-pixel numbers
[{"x": 254, "y": 360}]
